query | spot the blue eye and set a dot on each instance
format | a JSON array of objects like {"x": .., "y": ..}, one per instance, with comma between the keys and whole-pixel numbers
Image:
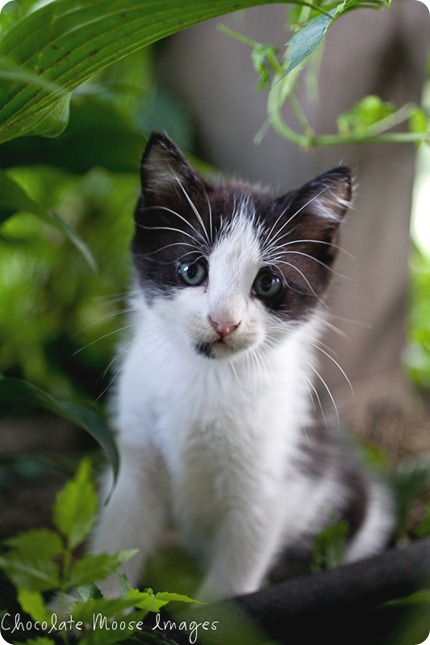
[
  {"x": 267, "y": 285},
  {"x": 193, "y": 273}
]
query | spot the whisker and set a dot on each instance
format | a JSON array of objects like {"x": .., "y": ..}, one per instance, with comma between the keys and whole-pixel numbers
[
  {"x": 93, "y": 342},
  {"x": 168, "y": 228},
  {"x": 195, "y": 210},
  {"x": 327, "y": 389},
  {"x": 316, "y": 397},
  {"x": 278, "y": 247},
  {"x": 181, "y": 217},
  {"x": 293, "y": 266},
  {"x": 164, "y": 248},
  {"x": 297, "y": 212},
  {"x": 336, "y": 363}
]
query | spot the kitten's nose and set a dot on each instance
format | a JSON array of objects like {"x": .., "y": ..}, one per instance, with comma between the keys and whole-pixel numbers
[{"x": 224, "y": 328}]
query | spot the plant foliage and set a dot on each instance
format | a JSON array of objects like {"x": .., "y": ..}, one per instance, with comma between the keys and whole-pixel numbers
[
  {"x": 16, "y": 394},
  {"x": 49, "y": 52},
  {"x": 45, "y": 560}
]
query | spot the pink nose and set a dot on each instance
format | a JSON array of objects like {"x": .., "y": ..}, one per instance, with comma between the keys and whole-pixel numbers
[{"x": 224, "y": 328}]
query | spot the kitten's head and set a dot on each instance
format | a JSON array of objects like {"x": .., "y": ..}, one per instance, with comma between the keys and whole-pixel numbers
[{"x": 228, "y": 265}]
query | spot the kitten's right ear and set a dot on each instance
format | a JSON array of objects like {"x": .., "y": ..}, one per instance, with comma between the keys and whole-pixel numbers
[{"x": 164, "y": 168}]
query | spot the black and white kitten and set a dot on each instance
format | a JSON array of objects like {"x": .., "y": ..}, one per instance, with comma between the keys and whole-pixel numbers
[{"x": 214, "y": 405}]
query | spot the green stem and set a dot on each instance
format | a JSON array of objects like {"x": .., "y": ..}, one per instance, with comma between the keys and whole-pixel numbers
[
  {"x": 239, "y": 37},
  {"x": 393, "y": 137},
  {"x": 67, "y": 563},
  {"x": 284, "y": 130},
  {"x": 325, "y": 140},
  {"x": 396, "y": 118},
  {"x": 300, "y": 116}
]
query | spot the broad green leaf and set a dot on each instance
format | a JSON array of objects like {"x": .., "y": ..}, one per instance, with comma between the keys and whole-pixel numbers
[
  {"x": 55, "y": 119},
  {"x": 18, "y": 395},
  {"x": 75, "y": 508},
  {"x": 89, "y": 141},
  {"x": 97, "y": 567},
  {"x": 33, "y": 604},
  {"x": 67, "y": 41},
  {"x": 306, "y": 41},
  {"x": 40, "y": 543},
  {"x": 31, "y": 574},
  {"x": 13, "y": 11},
  {"x": 13, "y": 199},
  {"x": 10, "y": 71},
  {"x": 95, "y": 423}
]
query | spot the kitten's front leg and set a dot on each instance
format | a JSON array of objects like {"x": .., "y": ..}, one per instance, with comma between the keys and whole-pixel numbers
[
  {"x": 244, "y": 550},
  {"x": 134, "y": 516}
]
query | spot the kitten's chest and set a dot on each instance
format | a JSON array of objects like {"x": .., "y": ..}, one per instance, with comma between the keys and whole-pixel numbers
[{"x": 211, "y": 429}]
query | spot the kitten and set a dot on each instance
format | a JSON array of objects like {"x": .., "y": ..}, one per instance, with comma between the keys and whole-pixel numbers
[{"x": 214, "y": 406}]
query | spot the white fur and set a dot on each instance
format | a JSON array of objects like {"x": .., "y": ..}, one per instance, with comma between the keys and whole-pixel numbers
[{"x": 211, "y": 444}]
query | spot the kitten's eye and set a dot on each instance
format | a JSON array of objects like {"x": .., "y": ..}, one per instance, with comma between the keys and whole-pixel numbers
[
  {"x": 266, "y": 285},
  {"x": 193, "y": 273}
]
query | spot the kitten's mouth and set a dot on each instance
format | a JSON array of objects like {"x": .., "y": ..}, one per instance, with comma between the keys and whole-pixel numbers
[{"x": 215, "y": 349}]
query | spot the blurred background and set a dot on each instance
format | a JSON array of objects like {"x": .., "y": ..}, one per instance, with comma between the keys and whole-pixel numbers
[{"x": 61, "y": 322}]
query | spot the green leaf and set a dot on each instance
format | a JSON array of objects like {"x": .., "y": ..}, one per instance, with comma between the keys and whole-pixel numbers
[
  {"x": 13, "y": 199},
  {"x": 40, "y": 543},
  {"x": 88, "y": 591},
  {"x": 119, "y": 628},
  {"x": 55, "y": 119},
  {"x": 417, "y": 598},
  {"x": 365, "y": 114},
  {"x": 88, "y": 141},
  {"x": 108, "y": 608},
  {"x": 17, "y": 395},
  {"x": 67, "y": 41},
  {"x": 176, "y": 597},
  {"x": 32, "y": 603},
  {"x": 330, "y": 546},
  {"x": 306, "y": 41},
  {"x": 419, "y": 121},
  {"x": 260, "y": 57},
  {"x": 146, "y": 600},
  {"x": 124, "y": 584},
  {"x": 10, "y": 71},
  {"x": 31, "y": 574},
  {"x": 97, "y": 567},
  {"x": 150, "y": 602},
  {"x": 75, "y": 507}
]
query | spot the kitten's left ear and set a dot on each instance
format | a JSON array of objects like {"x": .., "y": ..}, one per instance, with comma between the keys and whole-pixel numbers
[
  {"x": 327, "y": 196},
  {"x": 315, "y": 211}
]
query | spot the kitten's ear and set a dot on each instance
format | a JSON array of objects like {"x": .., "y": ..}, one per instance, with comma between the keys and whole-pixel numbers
[
  {"x": 327, "y": 197},
  {"x": 165, "y": 169},
  {"x": 316, "y": 209}
]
